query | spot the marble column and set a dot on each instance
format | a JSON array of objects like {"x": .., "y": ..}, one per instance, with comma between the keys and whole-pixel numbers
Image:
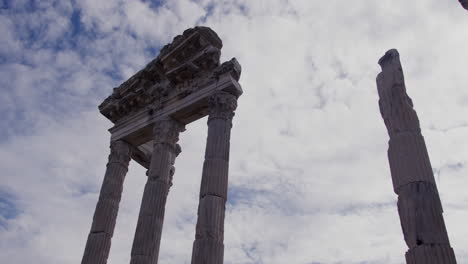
[
  {"x": 99, "y": 239},
  {"x": 208, "y": 247},
  {"x": 419, "y": 205},
  {"x": 145, "y": 249}
]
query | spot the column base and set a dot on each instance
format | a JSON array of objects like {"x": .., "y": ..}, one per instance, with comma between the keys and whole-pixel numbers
[
  {"x": 431, "y": 254},
  {"x": 207, "y": 251}
]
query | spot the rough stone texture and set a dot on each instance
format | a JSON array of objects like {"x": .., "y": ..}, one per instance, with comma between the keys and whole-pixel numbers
[
  {"x": 184, "y": 83},
  {"x": 105, "y": 215},
  {"x": 431, "y": 254},
  {"x": 419, "y": 204},
  {"x": 147, "y": 239},
  {"x": 464, "y": 3},
  {"x": 208, "y": 247},
  {"x": 182, "y": 67},
  {"x": 177, "y": 83}
]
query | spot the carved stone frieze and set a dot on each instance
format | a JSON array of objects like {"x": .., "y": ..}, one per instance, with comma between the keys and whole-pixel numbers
[
  {"x": 222, "y": 105},
  {"x": 464, "y": 3},
  {"x": 419, "y": 204},
  {"x": 142, "y": 89}
]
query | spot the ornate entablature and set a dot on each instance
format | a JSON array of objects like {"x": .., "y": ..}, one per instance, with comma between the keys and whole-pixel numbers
[
  {"x": 176, "y": 84},
  {"x": 184, "y": 66}
]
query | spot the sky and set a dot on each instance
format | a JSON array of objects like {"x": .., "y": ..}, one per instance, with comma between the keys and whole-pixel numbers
[{"x": 309, "y": 178}]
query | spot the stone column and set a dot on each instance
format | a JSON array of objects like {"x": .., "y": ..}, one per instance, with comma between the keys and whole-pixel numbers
[
  {"x": 464, "y": 3},
  {"x": 99, "y": 239},
  {"x": 419, "y": 204},
  {"x": 145, "y": 249},
  {"x": 208, "y": 247}
]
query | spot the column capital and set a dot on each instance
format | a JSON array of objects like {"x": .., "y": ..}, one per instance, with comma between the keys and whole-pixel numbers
[
  {"x": 222, "y": 106},
  {"x": 105, "y": 215},
  {"x": 166, "y": 131},
  {"x": 120, "y": 153}
]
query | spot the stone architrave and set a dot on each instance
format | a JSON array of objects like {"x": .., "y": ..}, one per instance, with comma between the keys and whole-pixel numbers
[
  {"x": 99, "y": 239},
  {"x": 464, "y": 3},
  {"x": 149, "y": 110},
  {"x": 419, "y": 205},
  {"x": 145, "y": 249},
  {"x": 208, "y": 247}
]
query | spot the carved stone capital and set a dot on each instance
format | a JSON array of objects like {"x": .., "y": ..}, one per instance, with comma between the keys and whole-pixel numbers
[
  {"x": 120, "y": 153},
  {"x": 166, "y": 131},
  {"x": 222, "y": 106}
]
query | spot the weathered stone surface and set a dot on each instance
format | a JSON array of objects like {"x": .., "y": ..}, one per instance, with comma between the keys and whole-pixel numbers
[
  {"x": 99, "y": 240},
  {"x": 409, "y": 160},
  {"x": 214, "y": 182},
  {"x": 420, "y": 212},
  {"x": 419, "y": 205},
  {"x": 431, "y": 254},
  {"x": 147, "y": 239},
  {"x": 211, "y": 218},
  {"x": 464, "y": 3},
  {"x": 184, "y": 66},
  {"x": 184, "y": 83},
  {"x": 208, "y": 246},
  {"x": 207, "y": 251},
  {"x": 97, "y": 248},
  {"x": 136, "y": 128},
  {"x": 395, "y": 105},
  {"x": 177, "y": 84}
]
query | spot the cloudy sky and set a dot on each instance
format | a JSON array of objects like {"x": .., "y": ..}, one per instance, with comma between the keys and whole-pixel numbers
[{"x": 309, "y": 177}]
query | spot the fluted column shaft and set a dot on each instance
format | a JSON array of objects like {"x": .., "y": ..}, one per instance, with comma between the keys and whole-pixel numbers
[
  {"x": 99, "y": 239},
  {"x": 419, "y": 205},
  {"x": 208, "y": 247},
  {"x": 145, "y": 249}
]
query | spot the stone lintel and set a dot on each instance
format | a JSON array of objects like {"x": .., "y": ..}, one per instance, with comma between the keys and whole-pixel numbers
[
  {"x": 141, "y": 155},
  {"x": 137, "y": 130}
]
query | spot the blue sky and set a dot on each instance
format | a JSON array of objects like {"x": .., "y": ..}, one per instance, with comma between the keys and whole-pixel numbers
[{"x": 309, "y": 177}]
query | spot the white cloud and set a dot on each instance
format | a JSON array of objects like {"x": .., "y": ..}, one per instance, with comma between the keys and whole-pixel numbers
[{"x": 308, "y": 170}]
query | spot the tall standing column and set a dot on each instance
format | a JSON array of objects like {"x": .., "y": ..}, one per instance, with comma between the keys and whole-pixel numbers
[
  {"x": 464, "y": 3},
  {"x": 419, "y": 204},
  {"x": 145, "y": 249},
  {"x": 99, "y": 239},
  {"x": 208, "y": 247}
]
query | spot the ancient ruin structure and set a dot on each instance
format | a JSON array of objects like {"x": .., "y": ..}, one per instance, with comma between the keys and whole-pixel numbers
[
  {"x": 185, "y": 82},
  {"x": 464, "y": 3},
  {"x": 419, "y": 204}
]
